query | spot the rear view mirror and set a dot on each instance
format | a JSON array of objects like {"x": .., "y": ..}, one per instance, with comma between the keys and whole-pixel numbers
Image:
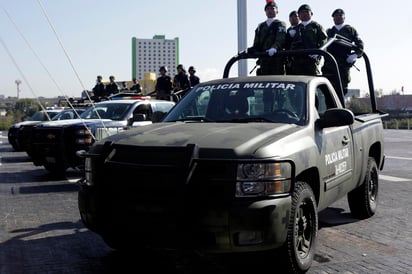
[{"x": 335, "y": 117}]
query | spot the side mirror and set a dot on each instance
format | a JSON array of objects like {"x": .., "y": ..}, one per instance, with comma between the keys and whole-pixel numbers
[
  {"x": 139, "y": 117},
  {"x": 335, "y": 117}
]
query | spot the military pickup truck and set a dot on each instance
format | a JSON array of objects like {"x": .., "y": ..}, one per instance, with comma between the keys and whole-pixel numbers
[
  {"x": 13, "y": 133},
  {"x": 56, "y": 144},
  {"x": 240, "y": 164}
]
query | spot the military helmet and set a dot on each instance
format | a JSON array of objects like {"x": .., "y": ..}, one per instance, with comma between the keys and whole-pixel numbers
[
  {"x": 337, "y": 11},
  {"x": 163, "y": 68},
  {"x": 304, "y": 7},
  {"x": 271, "y": 4},
  {"x": 293, "y": 12},
  {"x": 192, "y": 68}
]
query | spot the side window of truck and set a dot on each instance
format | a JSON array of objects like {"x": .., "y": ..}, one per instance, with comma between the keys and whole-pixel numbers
[
  {"x": 323, "y": 99},
  {"x": 145, "y": 109}
]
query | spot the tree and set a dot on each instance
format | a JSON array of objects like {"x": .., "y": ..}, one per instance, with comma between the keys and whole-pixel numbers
[{"x": 26, "y": 106}]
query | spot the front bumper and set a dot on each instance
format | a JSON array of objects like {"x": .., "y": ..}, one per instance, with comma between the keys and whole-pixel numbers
[{"x": 243, "y": 226}]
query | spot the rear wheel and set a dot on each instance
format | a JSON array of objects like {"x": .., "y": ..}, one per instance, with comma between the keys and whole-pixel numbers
[
  {"x": 56, "y": 169},
  {"x": 363, "y": 199},
  {"x": 302, "y": 230}
]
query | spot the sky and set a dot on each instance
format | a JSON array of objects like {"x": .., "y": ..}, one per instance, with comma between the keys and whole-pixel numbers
[{"x": 57, "y": 48}]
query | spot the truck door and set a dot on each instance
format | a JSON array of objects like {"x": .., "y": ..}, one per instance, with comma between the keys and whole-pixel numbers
[{"x": 335, "y": 147}]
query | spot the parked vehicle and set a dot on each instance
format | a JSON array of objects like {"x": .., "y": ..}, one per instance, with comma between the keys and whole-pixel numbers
[
  {"x": 56, "y": 143},
  {"x": 240, "y": 164},
  {"x": 37, "y": 117},
  {"x": 25, "y": 132}
]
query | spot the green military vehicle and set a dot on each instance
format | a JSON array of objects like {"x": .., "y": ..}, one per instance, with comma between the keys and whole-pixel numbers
[{"x": 240, "y": 164}]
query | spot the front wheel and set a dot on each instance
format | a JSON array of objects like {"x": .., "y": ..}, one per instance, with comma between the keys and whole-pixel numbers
[
  {"x": 363, "y": 199},
  {"x": 302, "y": 229},
  {"x": 56, "y": 169}
]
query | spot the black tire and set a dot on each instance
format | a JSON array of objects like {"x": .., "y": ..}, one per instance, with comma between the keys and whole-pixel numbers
[
  {"x": 58, "y": 170},
  {"x": 363, "y": 200},
  {"x": 302, "y": 233},
  {"x": 15, "y": 145},
  {"x": 118, "y": 241},
  {"x": 114, "y": 242}
]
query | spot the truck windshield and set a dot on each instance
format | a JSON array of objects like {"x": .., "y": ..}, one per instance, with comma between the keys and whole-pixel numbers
[
  {"x": 277, "y": 102},
  {"x": 113, "y": 111}
]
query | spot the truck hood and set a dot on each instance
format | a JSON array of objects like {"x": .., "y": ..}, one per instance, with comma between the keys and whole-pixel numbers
[
  {"x": 239, "y": 138},
  {"x": 79, "y": 122},
  {"x": 26, "y": 123}
]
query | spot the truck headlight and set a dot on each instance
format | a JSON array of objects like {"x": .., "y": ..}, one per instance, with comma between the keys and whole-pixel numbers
[
  {"x": 264, "y": 178},
  {"x": 84, "y": 137}
]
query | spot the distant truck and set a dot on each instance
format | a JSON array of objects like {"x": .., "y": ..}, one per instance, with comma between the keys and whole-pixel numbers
[
  {"x": 38, "y": 117},
  {"x": 240, "y": 164},
  {"x": 24, "y": 135},
  {"x": 56, "y": 144}
]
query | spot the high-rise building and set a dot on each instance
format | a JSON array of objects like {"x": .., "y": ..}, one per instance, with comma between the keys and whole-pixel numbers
[{"x": 148, "y": 55}]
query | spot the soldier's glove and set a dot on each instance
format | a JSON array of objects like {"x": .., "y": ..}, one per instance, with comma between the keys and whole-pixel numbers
[
  {"x": 271, "y": 51},
  {"x": 351, "y": 58},
  {"x": 292, "y": 33},
  {"x": 313, "y": 56}
]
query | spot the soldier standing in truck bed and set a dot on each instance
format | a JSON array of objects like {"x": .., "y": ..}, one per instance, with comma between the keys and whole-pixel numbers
[
  {"x": 136, "y": 87},
  {"x": 290, "y": 34},
  {"x": 310, "y": 35},
  {"x": 344, "y": 56},
  {"x": 164, "y": 85},
  {"x": 98, "y": 89},
  {"x": 270, "y": 36},
  {"x": 112, "y": 88}
]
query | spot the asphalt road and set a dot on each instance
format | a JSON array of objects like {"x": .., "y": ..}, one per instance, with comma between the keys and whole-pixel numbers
[{"x": 41, "y": 231}]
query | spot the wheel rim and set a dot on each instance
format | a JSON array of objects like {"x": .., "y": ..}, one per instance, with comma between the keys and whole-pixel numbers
[
  {"x": 303, "y": 229},
  {"x": 373, "y": 187}
]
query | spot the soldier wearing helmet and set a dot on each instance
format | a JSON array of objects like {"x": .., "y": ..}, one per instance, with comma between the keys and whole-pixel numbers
[
  {"x": 309, "y": 35},
  {"x": 344, "y": 56},
  {"x": 164, "y": 85},
  {"x": 181, "y": 79},
  {"x": 194, "y": 79},
  {"x": 270, "y": 36},
  {"x": 112, "y": 87},
  {"x": 99, "y": 89}
]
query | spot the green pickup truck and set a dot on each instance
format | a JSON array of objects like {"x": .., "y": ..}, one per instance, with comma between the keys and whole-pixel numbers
[{"x": 240, "y": 164}]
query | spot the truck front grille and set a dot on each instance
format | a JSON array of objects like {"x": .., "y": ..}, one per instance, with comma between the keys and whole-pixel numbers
[
  {"x": 47, "y": 135},
  {"x": 166, "y": 188}
]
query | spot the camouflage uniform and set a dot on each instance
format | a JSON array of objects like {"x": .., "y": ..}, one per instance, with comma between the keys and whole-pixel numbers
[
  {"x": 307, "y": 37},
  {"x": 266, "y": 37},
  {"x": 290, "y": 33},
  {"x": 341, "y": 53}
]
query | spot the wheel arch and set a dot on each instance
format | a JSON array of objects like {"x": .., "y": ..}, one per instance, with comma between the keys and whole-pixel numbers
[
  {"x": 375, "y": 151},
  {"x": 311, "y": 177}
]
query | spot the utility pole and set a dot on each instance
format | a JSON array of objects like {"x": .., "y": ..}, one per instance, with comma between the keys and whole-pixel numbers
[
  {"x": 242, "y": 34},
  {"x": 18, "y": 82}
]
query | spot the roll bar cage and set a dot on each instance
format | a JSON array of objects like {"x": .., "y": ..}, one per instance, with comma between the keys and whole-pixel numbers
[{"x": 321, "y": 52}]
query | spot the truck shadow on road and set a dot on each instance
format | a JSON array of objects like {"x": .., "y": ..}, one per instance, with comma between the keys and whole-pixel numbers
[
  {"x": 56, "y": 246},
  {"x": 334, "y": 216},
  {"x": 69, "y": 245}
]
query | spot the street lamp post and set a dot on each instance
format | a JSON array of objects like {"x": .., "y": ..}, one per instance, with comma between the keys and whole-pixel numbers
[
  {"x": 242, "y": 34},
  {"x": 18, "y": 82}
]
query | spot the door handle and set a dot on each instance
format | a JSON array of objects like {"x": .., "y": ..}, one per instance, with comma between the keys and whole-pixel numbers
[{"x": 345, "y": 140}]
